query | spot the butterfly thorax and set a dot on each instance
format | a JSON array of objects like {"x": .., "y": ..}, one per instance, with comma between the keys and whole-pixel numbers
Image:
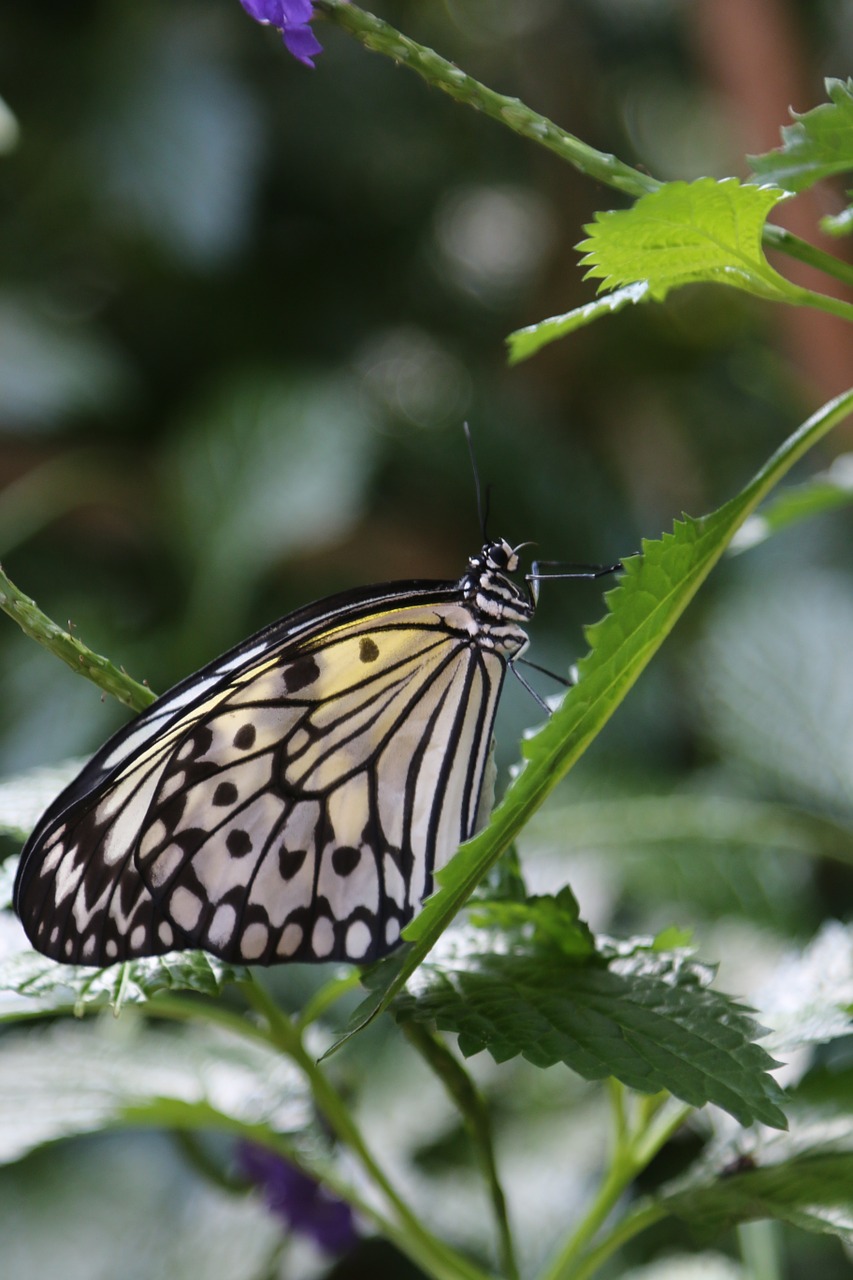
[{"x": 497, "y": 603}]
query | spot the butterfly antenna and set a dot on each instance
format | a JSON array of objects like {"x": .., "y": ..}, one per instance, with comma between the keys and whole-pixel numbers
[
  {"x": 563, "y": 570},
  {"x": 482, "y": 506}
]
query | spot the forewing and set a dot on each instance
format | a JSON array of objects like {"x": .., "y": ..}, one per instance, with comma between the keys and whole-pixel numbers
[{"x": 290, "y": 802}]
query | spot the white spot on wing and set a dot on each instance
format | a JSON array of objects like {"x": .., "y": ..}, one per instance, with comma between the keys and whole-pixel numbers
[
  {"x": 289, "y": 940},
  {"x": 254, "y": 941},
  {"x": 322, "y": 937},
  {"x": 222, "y": 925},
  {"x": 358, "y": 939},
  {"x": 185, "y": 908}
]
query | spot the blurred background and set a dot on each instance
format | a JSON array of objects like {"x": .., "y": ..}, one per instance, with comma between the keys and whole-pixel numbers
[{"x": 244, "y": 311}]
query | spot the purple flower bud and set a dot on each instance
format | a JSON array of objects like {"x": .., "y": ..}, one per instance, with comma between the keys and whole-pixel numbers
[
  {"x": 292, "y": 18},
  {"x": 302, "y": 1203}
]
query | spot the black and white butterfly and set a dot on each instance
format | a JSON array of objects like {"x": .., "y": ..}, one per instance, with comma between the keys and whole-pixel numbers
[{"x": 292, "y": 800}]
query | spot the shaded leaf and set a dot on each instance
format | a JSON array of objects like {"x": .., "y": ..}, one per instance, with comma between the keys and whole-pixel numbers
[
  {"x": 648, "y": 1018},
  {"x": 818, "y": 145}
]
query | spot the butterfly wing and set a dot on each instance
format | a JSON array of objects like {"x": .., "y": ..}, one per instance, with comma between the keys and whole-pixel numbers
[{"x": 289, "y": 802}]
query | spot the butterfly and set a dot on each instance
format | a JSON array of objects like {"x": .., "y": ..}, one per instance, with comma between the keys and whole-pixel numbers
[{"x": 293, "y": 799}]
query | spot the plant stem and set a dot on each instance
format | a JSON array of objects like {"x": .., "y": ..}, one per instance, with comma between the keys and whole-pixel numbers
[
  {"x": 381, "y": 37},
  {"x": 759, "y": 1248},
  {"x": 437, "y": 1258},
  {"x": 774, "y": 237},
  {"x": 472, "y": 1108},
  {"x": 658, "y": 1120},
  {"x": 64, "y": 645}
]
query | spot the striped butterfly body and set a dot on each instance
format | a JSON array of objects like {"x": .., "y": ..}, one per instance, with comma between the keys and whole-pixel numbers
[{"x": 292, "y": 800}]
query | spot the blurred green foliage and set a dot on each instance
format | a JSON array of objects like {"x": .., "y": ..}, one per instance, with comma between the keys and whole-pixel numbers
[{"x": 244, "y": 310}]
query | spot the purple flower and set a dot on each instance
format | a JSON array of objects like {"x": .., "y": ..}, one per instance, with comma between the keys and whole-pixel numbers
[
  {"x": 292, "y": 18},
  {"x": 303, "y": 1204}
]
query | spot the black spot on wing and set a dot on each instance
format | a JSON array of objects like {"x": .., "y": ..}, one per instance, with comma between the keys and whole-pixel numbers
[
  {"x": 244, "y": 738},
  {"x": 368, "y": 650},
  {"x": 290, "y": 862},
  {"x": 299, "y": 674},
  {"x": 345, "y": 860},
  {"x": 225, "y": 794},
  {"x": 238, "y": 842}
]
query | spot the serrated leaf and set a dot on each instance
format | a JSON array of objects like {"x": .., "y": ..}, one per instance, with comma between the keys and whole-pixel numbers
[
  {"x": 525, "y": 342},
  {"x": 818, "y": 145},
  {"x": 813, "y": 1192},
  {"x": 656, "y": 589},
  {"x": 685, "y": 233},
  {"x": 73, "y": 1078},
  {"x": 648, "y": 1019},
  {"x": 538, "y": 921}
]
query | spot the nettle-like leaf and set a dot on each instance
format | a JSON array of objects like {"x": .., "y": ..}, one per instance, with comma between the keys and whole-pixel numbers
[
  {"x": 818, "y": 145},
  {"x": 684, "y": 233},
  {"x": 803, "y": 1176},
  {"x": 647, "y": 1017},
  {"x": 72, "y": 1078},
  {"x": 655, "y": 590}
]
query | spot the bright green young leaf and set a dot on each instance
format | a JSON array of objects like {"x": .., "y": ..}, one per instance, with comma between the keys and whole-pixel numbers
[
  {"x": 525, "y": 342},
  {"x": 818, "y": 145},
  {"x": 72, "y": 1078},
  {"x": 688, "y": 232},
  {"x": 655, "y": 591},
  {"x": 648, "y": 1019}
]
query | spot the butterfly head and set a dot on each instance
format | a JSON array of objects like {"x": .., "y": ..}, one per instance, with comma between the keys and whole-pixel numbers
[{"x": 497, "y": 601}]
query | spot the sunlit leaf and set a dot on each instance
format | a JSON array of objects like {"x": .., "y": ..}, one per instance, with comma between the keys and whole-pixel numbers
[{"x": 685, "y": 233}]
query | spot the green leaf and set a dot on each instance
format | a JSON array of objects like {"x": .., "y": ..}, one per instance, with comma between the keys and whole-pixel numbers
[
  {"x": 73, "y": 1078},
  {"x": 655, "y": 591},
  {"x": 525, "y": 342},
  {"x": 814, "y": 1192},
  {"x": 539, "y": 921},
  {"x": 703, "y": 231},
  {"x": 818, "y": 145},
  {"x": 824, "y": 492},
  {"x": 648, "y": 1018},
  {"x": 804, "y": 1176}
]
